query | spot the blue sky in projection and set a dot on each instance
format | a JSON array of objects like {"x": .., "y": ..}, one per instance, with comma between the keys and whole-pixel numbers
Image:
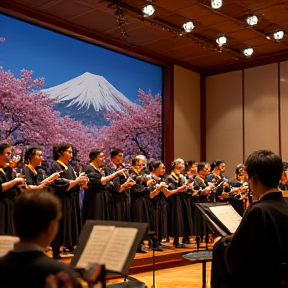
[{"x": 59, "y": 58}]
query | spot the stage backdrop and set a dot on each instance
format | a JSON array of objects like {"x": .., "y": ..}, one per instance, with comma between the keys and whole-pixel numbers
[{"x": 55, "y": 88}]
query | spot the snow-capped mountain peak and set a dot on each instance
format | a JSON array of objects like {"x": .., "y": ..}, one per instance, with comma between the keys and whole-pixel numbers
[{"x": 86, "y": 90}]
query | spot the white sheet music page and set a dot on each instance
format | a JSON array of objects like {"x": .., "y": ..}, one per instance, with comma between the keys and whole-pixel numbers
[
  {"x": 7, "y": 244},
  {"x": 118, "y": 248},
  {"x": 228, "y": 216},
  {"x": 96, "y": 244}
]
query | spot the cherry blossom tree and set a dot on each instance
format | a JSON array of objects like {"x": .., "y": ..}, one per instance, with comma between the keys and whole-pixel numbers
[
  {"x": 139, "y": 130},
  {"x": 27, "y": 117}
]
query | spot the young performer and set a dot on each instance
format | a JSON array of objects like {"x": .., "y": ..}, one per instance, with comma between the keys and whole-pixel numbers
[
  {"x": 8, "y": 190},
  {"x": 67, "y": 188}
]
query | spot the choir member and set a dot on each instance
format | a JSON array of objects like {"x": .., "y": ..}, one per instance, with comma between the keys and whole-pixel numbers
[
  {"x": 119, "y": 190},
  {"x": 95, "y": 204},
  {"x": 179, "y": 216},
  {"x": 8, "y": 190},
  {"x": 283, "y": 184},
  {"x": 201, "y": 194},
  {"x": 158, "y": 200},
  {"x": 33, "y": 158},
  {"x": 67, "y": 188},
  {"x": 141, "y": 209},
  {"x": 217, "y": 176}
]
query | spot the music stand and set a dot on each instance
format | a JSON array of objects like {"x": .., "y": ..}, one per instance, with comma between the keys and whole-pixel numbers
[{"x": 85, "y": 234}]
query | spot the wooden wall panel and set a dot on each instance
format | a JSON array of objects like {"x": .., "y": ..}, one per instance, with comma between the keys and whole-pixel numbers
[
  {"x": 186, "y": 114},
  {"x": 261, "y": 119},
  {"x": 284, "y": 109},
  {"x": 224, "y": 131}
]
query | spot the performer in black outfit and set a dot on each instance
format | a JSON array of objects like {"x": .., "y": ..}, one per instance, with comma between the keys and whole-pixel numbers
[
  {"x": 67, "y": 188},
  {"x": 95, "y": 204},
  {"x": 179, "y": 215},
  {"x": 158, "y": 200},
  {"x": 141, "y": 209},
  {"x": 252, "y": 256},
  {"x": 8, "y": 190},
  {"x": 119, "y": 197},
  {"x": 33, "y": 158}
]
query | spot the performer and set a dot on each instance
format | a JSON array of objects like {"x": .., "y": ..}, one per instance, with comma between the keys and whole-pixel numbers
[
  {"x": 221, "y": 182},
  {"x": 201, "y": 194},
  {"x": 251, "y": 257},
  {"x": 119, "y": 197},
  {"x": 33, "y": 158},
  {"x": 158, "y": 200},
  {"x": 8, "y": 190},
  {"x": 179, "y": 216},
  {"x": 283, "y": 184},
  {"x": 95, "y": 204},
  {"x": 141, "y": 209},
  {"x": 67, "y": 188}
]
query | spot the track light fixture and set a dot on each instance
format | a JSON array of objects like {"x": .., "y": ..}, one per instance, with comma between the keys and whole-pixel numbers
[
  {"x": 278, "y": 35},
  {"x": 221, "y": 40},
  {"x": 248, "y": 51},
  {"x": 188, "y": 26},
  {"x": 148, "y": 10},
  {"x": 216, "y": 4},
  {"x": 252, "y": 20}
]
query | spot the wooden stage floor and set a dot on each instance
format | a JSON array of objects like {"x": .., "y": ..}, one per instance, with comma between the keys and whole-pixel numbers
[{"x": 171, "y": 270}]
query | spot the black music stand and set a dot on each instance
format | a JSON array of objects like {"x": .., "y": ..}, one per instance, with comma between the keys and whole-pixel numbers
[{"x": 85, "y": 235}]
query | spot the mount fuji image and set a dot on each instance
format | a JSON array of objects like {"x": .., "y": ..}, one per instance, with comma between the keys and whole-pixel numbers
[{"x": 85, "y": 98}]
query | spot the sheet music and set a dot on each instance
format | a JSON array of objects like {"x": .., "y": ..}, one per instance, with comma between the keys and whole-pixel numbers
[
  {"x": 96, "y": 244},
  {"x": 228, "y": 216},
  {"x": 7, "y": 244},
  {"x": 118, "y": 248}
]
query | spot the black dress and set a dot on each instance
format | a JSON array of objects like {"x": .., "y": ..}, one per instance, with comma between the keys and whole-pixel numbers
[
  {"x": 70, "y": 223},
  {"x": 95, "y": 206},
  {"x": 141, "y": 210},
  {"x": 179, "y": 217},
  {"x": 159, "y": 214},
  {"x": 119, "y": 203},
  {"x": 7, "y": 200}
]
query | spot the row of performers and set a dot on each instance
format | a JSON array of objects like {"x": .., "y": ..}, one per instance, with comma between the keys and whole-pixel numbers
[{"x": 142, "y": 193}]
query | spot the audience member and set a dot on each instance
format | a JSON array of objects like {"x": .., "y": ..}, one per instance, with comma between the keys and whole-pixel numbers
[
  {"x": 252, "y": 256},
  {"x": 36, "y": 215}
]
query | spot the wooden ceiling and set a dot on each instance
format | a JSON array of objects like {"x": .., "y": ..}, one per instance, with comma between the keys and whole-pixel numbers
[{"x": 121, "y": 26}]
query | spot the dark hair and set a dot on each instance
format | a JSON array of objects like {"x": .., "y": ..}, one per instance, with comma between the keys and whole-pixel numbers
[
  {"x": 115, "y": 151},
  {"x": 58, "y": 149},
  {"x": 189, "y": 163},
  {"x": 201, "y": 166},
  {"x": 31, "y": 152},
  {"x": 154, "y": 164},
  {"x": 216, "y": 163},
  {"x": 266, "y": 165},
  {"x": 285, "y": 165},
  {"x": 3, "y": 146},
  {"x": 239, "y": 167},
  {"x": 93, "y": 154},
  {"x": 33, "y": 211}
]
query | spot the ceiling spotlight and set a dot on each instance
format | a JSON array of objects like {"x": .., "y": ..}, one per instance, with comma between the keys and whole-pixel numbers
[
  {"x": 148, "y": 10},
  {"x": 221, "y": 40},
  {"x": 216, "y": 4},
  {"x": 248, "y": 51},
  {"x": 278, "y": 35},
  {"x": 188, "y": 26},
  {"x": 252, "y": 20}
]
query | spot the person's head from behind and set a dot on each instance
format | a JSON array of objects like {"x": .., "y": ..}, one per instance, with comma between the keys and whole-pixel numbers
[
  {"x": 264, "y": 166},
  {"x": 36, "y": 215}
]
